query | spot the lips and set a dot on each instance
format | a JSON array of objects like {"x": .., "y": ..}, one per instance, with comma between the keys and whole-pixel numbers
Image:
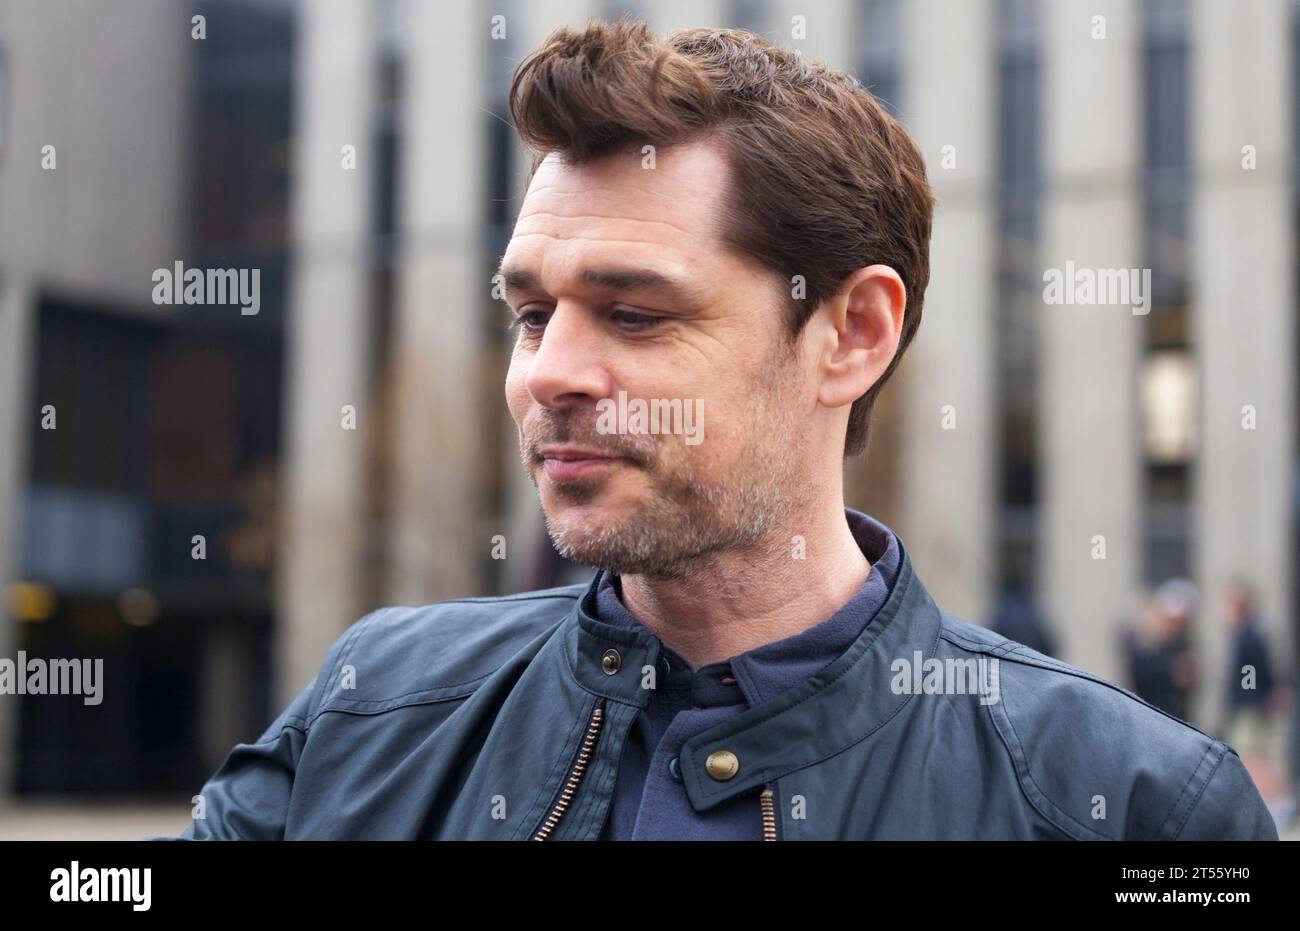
[
  {"x": 569, "y": 463},
  {"x": 573, "y": 454}
]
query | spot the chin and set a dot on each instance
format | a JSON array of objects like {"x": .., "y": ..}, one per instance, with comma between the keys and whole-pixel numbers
[
  {"x": 585, "y": 518},
  {"x": 606, "y": 494},
  {"x": 579, "y": 522}
]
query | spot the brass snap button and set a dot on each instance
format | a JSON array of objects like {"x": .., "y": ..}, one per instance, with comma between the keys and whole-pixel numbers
[
  {"x": 722, "y": 765},
  {"x": 611, "y": 662}
]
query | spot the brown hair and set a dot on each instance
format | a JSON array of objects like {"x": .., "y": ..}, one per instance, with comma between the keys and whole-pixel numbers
[{"x": 824, "y": 181}]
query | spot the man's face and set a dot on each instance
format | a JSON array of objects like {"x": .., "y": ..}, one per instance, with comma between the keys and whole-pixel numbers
[
  {"x": 620, "y": 284},
  {"x": 1236, "y": 605}
]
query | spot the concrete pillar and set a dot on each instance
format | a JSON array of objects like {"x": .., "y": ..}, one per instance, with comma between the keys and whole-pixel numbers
[
  {"x": 17, "y": 353},
  {"x": 441, "y": 411},
  {"x": 1244, "y": 321},
  {"x": 948, "y": 482},
  {"x": 224, "y": 702},
  {"x": 1089, "y": 354},
  {"x": 321, "y": 584}
]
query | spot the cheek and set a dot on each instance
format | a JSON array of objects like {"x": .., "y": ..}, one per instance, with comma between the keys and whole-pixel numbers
[{"x": 516, "y": 388}]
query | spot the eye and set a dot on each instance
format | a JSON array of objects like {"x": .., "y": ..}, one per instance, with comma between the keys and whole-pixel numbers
[
  {"x": 634, "y": 320},
  {"x": 530, "y": 322}
]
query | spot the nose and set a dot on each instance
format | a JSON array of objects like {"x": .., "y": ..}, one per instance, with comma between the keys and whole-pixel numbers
[{"x": 566, "y": 370}]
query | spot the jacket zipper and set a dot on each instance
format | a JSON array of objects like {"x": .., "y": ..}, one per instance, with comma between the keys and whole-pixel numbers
[
  {"x": 767, "y": 802},
  {"x": 576, "y": 773}
]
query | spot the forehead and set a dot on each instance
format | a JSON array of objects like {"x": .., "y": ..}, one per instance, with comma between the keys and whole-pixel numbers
[{"x": 613, "y": 206}]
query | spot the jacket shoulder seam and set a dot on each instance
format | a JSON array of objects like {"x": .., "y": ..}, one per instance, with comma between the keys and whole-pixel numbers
[
  {"x": 1221, "y": 749},
  {"x": 1047, "y": 809},
  {"x": 561, "y": 594},
  {"x": 1018, "y": 653},
  {"x": 1039, "y": 799},
  {"x": 292, "y": 723},
  {"x": 429, "y": 696},
  {"x": 345, "y": 651}
]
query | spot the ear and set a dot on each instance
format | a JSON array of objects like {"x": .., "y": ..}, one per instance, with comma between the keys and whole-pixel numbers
[{"x": 864, "y": 326}]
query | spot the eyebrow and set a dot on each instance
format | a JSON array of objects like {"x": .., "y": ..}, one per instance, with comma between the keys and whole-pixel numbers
[{"x": 615, "y": 278}]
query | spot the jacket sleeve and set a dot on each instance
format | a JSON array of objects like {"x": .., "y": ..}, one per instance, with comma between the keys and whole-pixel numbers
[
  {"x": 1230, "y": 808},
  {"x": 247, "y": 798}
]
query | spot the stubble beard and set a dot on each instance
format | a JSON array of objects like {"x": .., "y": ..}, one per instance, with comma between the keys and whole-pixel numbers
[{"x": 688, "y": 517}]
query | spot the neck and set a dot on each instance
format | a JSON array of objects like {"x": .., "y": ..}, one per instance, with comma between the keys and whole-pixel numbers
[{"x": 741, "y": 599}]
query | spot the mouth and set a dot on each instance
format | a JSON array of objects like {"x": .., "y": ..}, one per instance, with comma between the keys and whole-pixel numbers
[{"x": 568, "y": 463}]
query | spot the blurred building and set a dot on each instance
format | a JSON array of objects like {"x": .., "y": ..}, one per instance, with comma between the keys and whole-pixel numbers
[
  {"x": 349, "y": 445},
  {"x": 128, "y": 429}
]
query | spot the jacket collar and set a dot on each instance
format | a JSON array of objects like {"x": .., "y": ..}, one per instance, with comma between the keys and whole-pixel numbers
[
  {"x": 763, "y": 672},
  {"x": 588, "y": 640},
  {"x": 838, "y": 707}
]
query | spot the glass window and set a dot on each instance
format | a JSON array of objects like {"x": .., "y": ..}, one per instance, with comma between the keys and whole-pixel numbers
[{"x": 1019, "y": 109}]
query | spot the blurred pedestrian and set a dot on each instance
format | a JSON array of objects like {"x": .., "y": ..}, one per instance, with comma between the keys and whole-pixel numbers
[
  {"x": 1254, "y": 701},
  {"x": 1018, "y": 618},
  {"x": 1162, "y": 663}
]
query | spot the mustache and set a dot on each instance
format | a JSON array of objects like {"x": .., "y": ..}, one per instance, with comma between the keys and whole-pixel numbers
[{"x": 556, "y": 430}]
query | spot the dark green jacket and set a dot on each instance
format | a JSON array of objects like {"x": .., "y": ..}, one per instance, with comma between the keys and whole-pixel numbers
[{"x": 504, "y": 719}]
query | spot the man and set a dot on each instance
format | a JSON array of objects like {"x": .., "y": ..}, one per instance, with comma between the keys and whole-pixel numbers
[
  {"x": 1162, "y": 661},
  {"x": 1252, "y": 696},
  {"x": 713, "y": 226}
]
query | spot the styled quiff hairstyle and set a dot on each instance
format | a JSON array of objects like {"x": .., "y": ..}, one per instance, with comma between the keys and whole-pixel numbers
[{"x": 823, "y": 180}]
